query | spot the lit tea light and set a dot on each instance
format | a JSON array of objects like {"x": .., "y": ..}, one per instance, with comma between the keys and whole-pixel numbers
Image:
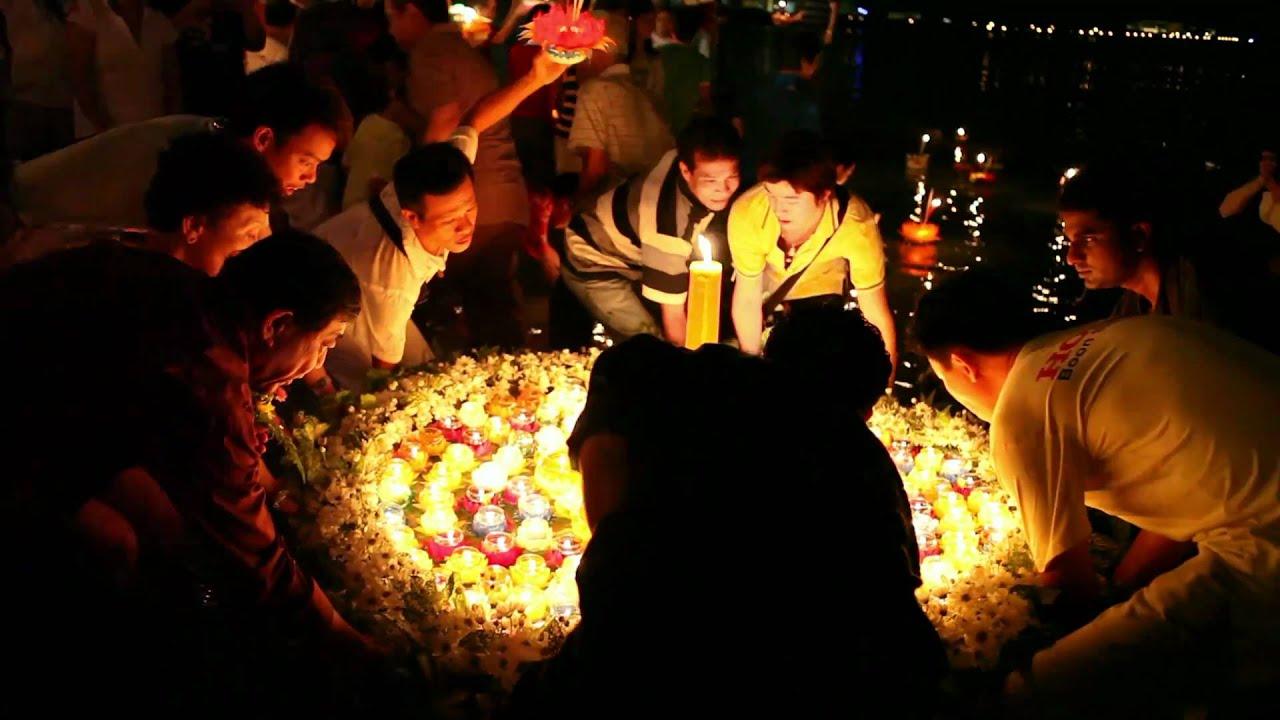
[
  {"x": 531, "y": 601},
  {"x": 394, "y": 487},
  {"x": 438, "y": 520},
  {"x": 530, "y": 570},
  {"x": 534, "y": 535},
  {"x": 487, "y": 519},
  {"x": 448, "y": 540},
  {"x": 522, "y": 420},
  {"x": 460, "y": 457},
  {"x": 519, "y": 486},
  {"x": 490, "y": 477},
  {"x": 472, "y": 414},
  {"x": 497, "y": 430},
  {"x": 562, "y": 599},
  {"x": 497, "y": 545},
  {"x": 924, "y": 141},
  {"x": 392, "y": 515},
  {"x": 450, "y": 423},
  {"x": 413, "y": 452},
  {"x": 568, "y": 544},
  {"x": 524, "y": 442},
  {"x": 965, "y": 483},
  {"x": 905, "y": 461},
  {"x": 953, "y": 467},
  {"x": 468, "y": 564},
  {"x": 534, "y": 505},
  {"x": 477, "y": 495}
]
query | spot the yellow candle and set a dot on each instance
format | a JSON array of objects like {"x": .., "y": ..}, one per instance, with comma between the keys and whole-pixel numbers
[{"x": 704, "y": 299}]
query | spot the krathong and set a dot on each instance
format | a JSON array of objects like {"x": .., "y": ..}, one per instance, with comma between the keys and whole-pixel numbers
[
  {"x": 567, "y": 32},
  {"x": 449, "y": 510}
]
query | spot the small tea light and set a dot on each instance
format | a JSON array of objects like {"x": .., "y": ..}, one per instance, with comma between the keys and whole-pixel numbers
[
  {"x": 460, "y": 457},
  {"x": 524, "y": 442},
  {"x": 531, "y": 601},
  {"x": 468, "y": 564},
  {"x": 965, "y": 483},
  {"x": 487, "y": 519},
  {"x": 394, "y": 486},
  {"x": 472, "y": 414},
  {"x": 562, "y": 599},
  {"x": 953, "y": 467},
  {"x": 519, "y": 486},
  {"x": 450, "y": 423},
  {"x": 444, "y": 543},
  {"x": 392, "y": 515},
  {"x": 438, "y": 520},
  {"x": 474, "y": 438},
  {"x": 499, "y": 542},
  {"x": 533, "y": 505},
  {"x": 497, "y": 429},
  {"x": 903, "y": 459},
  {"x": 490, "y": 477},
  {"x": 478, "y": 495},
  {"x": 530, "y": 570},
  {"x": 568, "y": 544},
  {"x": 534, "y": 535},
  {"x": 412, "y": 452},
  {"x": 522, "y": 420},
  {"x": 509, "y": 457}
]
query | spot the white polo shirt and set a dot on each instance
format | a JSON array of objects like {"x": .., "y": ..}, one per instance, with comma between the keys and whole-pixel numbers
[{"x": 390, "y": 280}]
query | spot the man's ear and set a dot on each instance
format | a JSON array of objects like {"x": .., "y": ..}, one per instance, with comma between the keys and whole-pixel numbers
[
  {"x": 275, "y": 326},
  {"x": 263, "y": 139},
  {"x": 193, "y": 227},
  {"x": 1141, "y": 236},
  {"x": 686, "y": 173},
  {"x": 410, "y": 216},
  {"x": 966, "y": 363}
]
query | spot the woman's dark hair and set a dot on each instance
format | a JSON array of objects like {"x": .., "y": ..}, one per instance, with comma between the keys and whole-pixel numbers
[
  {"x": 436, "y": 11},
  {"x": 802, "y": 159},
  {"x": 978, "y": 309},
  {"x": 281, "y": 97},
  {"x": 711, "y": 137},
  {"x": 835, "y": 349},
  {"x": 434, "y": 169},
  {"x": 207, "y": 175},
  {"x": 688, "y": 21},
  {"x": 280, "y": 13},
  {"x": 293, "y": 271}
]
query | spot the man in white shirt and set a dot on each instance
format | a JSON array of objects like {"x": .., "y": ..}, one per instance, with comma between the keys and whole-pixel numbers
[
  {"x": 400, "y": 239},
  {"x": 1265, "y": 183},
  {"x": 1166, "y": 423}
]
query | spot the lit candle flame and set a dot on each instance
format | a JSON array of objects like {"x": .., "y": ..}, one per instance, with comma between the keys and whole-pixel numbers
[
  {"x": 704, "y": 248},
  {"x": 982, "y": 157},
  {"x": 960, "y": 132},
  {"x": 924, "y": 138}
]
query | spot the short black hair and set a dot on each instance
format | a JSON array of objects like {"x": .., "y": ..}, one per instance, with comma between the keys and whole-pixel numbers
[
  {"x": 844, "y": 149},
  {"x": 206, "y": 175},
  {"x": 294, "y": 271},
  {"x": 802, "y": 158},
  {"x": 280, "y": 13},
  {"x": 1117, "y": 193},
  {"x": 835, "y": 347},
  {"x": 711, "y": 137},
  {"x": 807, "y": 45},
  {"x": 688, "y": 21},
  {"x": 436, "y": 11},
  {"x": 433, "y": 169},
  {"x": 979, "y": 309},
  {"x": 282, "y": 98}
]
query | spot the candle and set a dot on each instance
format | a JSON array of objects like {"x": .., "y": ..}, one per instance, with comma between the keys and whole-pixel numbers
[
  {"x": 518, "y": 487},
  {"x": 532, "y": 601},
  {"x": 703, "y": 324},
  {"x": 959, "y": 155},
  {"x": 443, "y": 543},
  {"x": 905, "y": 461},
  {"x": 392, "y": 515},
  {"x": 497, "y": 429},
  {"x": 534, "y": 535},
  {"x": 568, "y": 544},
  {"x": 490, "y": 477},
  {"x": 394, "y": 487},
  {"x": 522, "y": 420},
  {"x": 509, "y": 457},
  {"x": 530, "y": 570},
  {"x": 438, "y": 520},
  {"x": 924, "y": 140},
  {"x": 468, "y": 564},
  {"x": 433, "y": 441},
  {"x": 472, "y": 414},
  {"x": 953, "y": 467},
  {"x": 534, "y": 505},
  {"x": 460, "y": 457},
  {"x": 487, "y": 519},
  {"x": 562, "y": 598},
  {"x": 414, "y": 453},
  {"x": 500, "y": 548},
  {"x": 477, "y": 495},
  {"x": 960, "y": 133},
  {"x": 982, "y": 159}
]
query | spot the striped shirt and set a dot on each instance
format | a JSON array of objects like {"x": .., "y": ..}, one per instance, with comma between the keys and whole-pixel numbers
[
  {"x": 642, "y": 230},
  {"x": 614, "y": 115},
  {"x": 567, "y": 103}
]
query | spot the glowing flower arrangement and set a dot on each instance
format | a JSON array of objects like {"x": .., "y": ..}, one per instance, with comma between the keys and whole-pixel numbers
[
  {"x": 454, "y": 518},
  {"x": 568, "y": 32}
]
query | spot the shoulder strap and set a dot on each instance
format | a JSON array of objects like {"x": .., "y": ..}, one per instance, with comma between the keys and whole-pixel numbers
[
  {"x": 388, "y": 223},
  {"x": 775, "y": 297}
]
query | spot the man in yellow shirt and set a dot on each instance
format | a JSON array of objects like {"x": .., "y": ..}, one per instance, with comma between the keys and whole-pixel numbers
[
  {"x": 1166, "y": 423},
  {"x": 796, "y": 236}
]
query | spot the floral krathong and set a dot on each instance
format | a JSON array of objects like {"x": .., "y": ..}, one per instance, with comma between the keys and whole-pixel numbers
[
  {"x": 567, "y": 31},
  {"x": 448, "y": 508}
]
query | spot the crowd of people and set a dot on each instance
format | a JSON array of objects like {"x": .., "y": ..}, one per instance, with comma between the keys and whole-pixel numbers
[{"x": 219, "y": 201}]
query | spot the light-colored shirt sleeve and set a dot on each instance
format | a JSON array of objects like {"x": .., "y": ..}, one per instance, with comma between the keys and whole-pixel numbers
[
  {"x": 385, "y": 313},
  {"x": 466, "y": 139},
  {"x": 590, "y": 120},
  {"x": 1044, "y": 469},
  {"x": 863, "y": 246},
  {"x": 747, "y": 243},
  {"x": 1269, "y": 211}
]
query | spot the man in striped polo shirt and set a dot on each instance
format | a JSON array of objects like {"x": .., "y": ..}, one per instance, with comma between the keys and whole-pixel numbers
[{"x": 633, "y": 243}]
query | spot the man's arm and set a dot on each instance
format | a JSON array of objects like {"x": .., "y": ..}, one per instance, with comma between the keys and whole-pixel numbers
[
  {"x": 1150, "y": 555},
  {"x": 674, "y": 323},
  {"x": 874, "y": 304},
  {"x": 595, "y": 168},
  {"x": 1235, "y": 200},
  {"x": 748, "y": 314},
  {"x": 1072, "y": 573}
]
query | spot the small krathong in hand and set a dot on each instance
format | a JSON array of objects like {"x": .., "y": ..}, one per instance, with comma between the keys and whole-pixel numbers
[{"x": 567, "y": 32}]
